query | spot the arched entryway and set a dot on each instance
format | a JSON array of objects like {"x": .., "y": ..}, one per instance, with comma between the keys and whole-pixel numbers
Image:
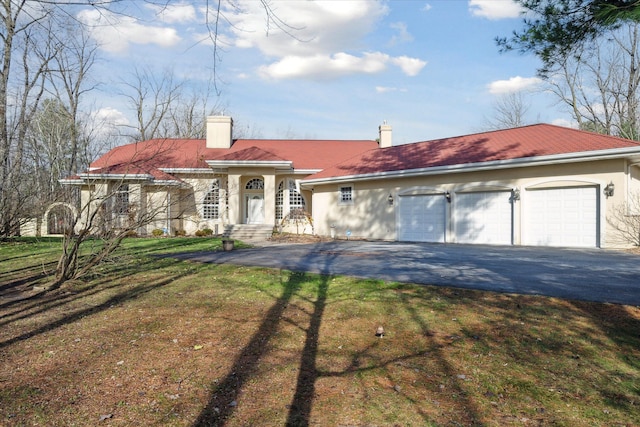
[{"x": 60, "y": 218}]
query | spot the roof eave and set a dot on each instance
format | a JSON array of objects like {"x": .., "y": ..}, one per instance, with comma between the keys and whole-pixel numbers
[
  {"x": 276, "y": 164},
  {"x": 616, "y": 153},
  {"x": 187, "y": 170},
  {"x": 119, "y": 176}
]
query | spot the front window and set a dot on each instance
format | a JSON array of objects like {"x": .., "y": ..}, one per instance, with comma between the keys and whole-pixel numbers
[
  {"x": 296, "y": 202},
  {"x": 346, "y": 195},
  {"x": 211, "y": 202},
  {"x": 121, "y": 200},
  {"x": 280, "y": 202}
]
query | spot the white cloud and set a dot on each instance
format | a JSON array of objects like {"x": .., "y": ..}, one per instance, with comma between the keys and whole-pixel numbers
[
  {"x": 410, "y": 66},
  {"x": 302, "y": 27},
  {"x": 495, "y": 9},
  {"x": 325, "y": 67},
  {"x": 426, "y": 8},
  {"x": 514, "y": 84},
  {"x": 175, "y": 13},
  {"x": 402, "y": 35},
  {"x": 314, "y": 39},
  {"x": 114, "y": 32},
  {"x": 565, "y": 123},
  {"x": 106, "y": 121}
]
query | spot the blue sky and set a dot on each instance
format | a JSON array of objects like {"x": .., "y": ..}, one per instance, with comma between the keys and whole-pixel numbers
[{"x": 431, "y": 69}]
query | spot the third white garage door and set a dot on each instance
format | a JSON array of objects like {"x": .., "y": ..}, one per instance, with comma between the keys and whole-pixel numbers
[
  {"x": 484, "y": 217},
  {"x": 562, "y": 217}
]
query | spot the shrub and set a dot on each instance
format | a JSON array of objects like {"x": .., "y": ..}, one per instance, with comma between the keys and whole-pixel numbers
[
  {"x": 204, "y": 232},
  {"x": 157, "y": 232},
  {"x": 180, "y": 233}
]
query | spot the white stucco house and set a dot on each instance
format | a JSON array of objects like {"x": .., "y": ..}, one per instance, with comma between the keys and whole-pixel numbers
[{"x": 533, "y": 185}]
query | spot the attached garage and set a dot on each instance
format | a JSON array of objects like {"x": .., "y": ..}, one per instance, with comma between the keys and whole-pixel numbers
[
  {"x": 484, "y": 217},
  {"x": 562, "y": 217},
  {"x": 422, "y": 218}
]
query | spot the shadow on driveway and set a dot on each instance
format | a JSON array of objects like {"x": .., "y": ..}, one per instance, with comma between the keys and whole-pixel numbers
[{"x": 578, "y": 274}]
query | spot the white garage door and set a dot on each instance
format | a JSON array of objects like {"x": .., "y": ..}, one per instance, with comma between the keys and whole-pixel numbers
[
  {"x": 422, "y": 218},
  {"x": 562, "y": 217},
  {"x": 484, "y": 217}
]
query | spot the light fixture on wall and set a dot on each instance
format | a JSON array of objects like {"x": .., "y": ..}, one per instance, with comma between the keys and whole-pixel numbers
[
  {"x": 390, "y": 199},
  {"x": 447, "y": 195},
  {"x": 516, "y": 194},
  {"x": 608, "y": 190}
]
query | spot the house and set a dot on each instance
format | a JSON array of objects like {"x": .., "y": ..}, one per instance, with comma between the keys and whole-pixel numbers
[{"x": 533, "y": 185}]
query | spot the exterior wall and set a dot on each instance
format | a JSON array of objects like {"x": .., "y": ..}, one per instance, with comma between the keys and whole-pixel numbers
[
  {"x": 191, "y": 200},
  {"x": 371, "y": 216},
  {"x": 30, "y": 227}
]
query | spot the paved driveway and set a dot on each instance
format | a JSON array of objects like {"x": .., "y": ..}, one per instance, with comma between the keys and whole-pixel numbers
[{"x": 591, "y": 275}]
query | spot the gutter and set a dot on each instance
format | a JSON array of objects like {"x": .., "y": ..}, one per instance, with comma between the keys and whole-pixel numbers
[
  {"x": 129, "y": 176},
  {"x": 615, "y": 153},
  {"x": 278, "y": 164}
]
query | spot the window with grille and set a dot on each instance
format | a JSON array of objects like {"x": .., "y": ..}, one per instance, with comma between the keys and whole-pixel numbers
[
  {"x": 280, "y": 202},
  {"x": 255, "y": 184},
  {"x": 346, "y": 195},
  {"x": 211, "y": 202},
  {"x": 296, "y": 201},
  {"x": 121, "y": 200}
]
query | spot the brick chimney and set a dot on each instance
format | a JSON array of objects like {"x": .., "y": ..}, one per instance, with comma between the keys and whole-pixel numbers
[
  {"x": 385, "y": 135},
  {"x": 219, "y": 132}
]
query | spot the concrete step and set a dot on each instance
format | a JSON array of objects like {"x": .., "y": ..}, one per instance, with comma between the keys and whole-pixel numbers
[{"x": 248, "y": 231}]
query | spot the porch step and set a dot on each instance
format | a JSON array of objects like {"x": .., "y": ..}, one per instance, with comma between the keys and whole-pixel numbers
[{"x": 248, "y": 231}]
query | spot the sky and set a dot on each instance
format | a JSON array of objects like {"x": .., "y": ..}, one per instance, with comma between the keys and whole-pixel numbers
[{"x": 333, "y": 69}]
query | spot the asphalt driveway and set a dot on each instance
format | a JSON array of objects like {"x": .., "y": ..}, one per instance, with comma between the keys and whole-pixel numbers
[{"x": 589, "y": 274}]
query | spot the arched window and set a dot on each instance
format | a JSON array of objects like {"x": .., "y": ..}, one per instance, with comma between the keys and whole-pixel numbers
[
  {"x": 255, "y": 184},
  {"x": 280, "y": 201},
  {"x": 211, "y": 202}
]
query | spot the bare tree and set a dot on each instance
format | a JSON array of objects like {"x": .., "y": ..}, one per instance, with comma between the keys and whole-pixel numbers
[
  {"x": 115, "y": 204},
  {"x": 600, "y": 86},
  {"x": 625, "y": 219},
  {"x": 509, "y": 111},
  {"x": 28, "y": 49},
  {"x": 166, "y": 107}
]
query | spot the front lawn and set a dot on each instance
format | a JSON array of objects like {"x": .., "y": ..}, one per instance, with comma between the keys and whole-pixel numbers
[{"x": 156, "y": 341}]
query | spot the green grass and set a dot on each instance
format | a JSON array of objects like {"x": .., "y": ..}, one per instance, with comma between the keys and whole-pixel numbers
[{"x": 156, "y": 341}]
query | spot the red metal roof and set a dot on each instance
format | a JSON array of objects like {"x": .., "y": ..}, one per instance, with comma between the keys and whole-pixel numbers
[
  {"x": 501, "y": 145},
  {"x": 336, "y": 158},
  {"x": 192, "y": 153}
]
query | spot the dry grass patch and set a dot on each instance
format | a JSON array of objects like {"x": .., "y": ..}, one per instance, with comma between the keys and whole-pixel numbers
[{"x": 150, "y": 341}]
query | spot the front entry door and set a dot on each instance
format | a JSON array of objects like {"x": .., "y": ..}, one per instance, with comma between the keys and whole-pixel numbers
[{"x": 255, "y": 209}]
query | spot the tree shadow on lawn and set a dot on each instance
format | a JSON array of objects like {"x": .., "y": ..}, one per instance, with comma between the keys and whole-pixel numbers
[
  {"x": 225, "y": 394},
  {"x": 42, "y": 303}
]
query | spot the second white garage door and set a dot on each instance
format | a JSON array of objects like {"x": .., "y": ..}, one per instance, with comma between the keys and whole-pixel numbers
[
  {"x": 562, "y": 217},
  {"x": 422, "y": 218},
  {"x": 484, "y": 217}
]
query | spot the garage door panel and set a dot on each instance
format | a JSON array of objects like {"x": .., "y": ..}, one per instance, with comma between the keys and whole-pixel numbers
[
  {"x": 563, "y": 217},
  {"x": 484, "y": 217},
  {"x": 422, "y": 218}
]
